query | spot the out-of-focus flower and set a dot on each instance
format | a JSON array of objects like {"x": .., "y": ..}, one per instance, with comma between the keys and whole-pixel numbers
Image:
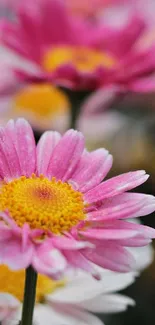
[
  {"x": 73, "y": 53},
  {"x": 113, "y": 12},
  {"x": 87, "y": 8},
  {"x": 53, "y": 204},
  {"x": 44, "y": 106},
  {"x": 72, "y": 300}
]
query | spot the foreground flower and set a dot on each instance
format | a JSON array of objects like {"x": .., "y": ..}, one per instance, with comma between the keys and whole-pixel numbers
[
  {"x": 72, "y": 53},
  {"x": 55, "y": 212},
  {"x": 70, "y": 301}
]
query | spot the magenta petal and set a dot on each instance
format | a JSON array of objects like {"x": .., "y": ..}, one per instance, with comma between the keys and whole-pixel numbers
[
  {"x": 146, "y": 231},
  {"x": 94, "y": 170},
  {"x": 25, "y": 146},
  {"x": 9, "y": 160},
  {"x": 115, "y": 186},
  {"x": 5, "y": 233},
  {"x": 69, "y": 243},
  {"x": 111, "y": 256},
  {"x": 137, "y": 241},
  {"x": 13, "y": 255},
  {"x": 111, "y": 233},
  {"x": 66, "y": 155},
  {"x": 45, "y": 148},
  {"x": 17, "y": 150},
  {"x": 125, "y": 205},
  {"x": 79, "y": 261},
  {"x": 49, "y": 260}
]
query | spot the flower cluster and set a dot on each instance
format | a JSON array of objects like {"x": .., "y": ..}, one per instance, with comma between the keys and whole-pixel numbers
[{"x": 68, "y": 238}]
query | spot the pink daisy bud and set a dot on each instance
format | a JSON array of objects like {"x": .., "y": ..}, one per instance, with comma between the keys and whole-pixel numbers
[{"x": 56, "y": 210}]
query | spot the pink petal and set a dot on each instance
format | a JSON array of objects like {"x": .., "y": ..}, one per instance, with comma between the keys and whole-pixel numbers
[
  {"x": 100, "y": 100},
  {"x": 112, "y": 257},
  {"x": 26, "y": 148},
  {"x": 12, "y": 254},
  {"x": 5, "y": 233},
  {"x": 69, "y": 243},
  {"x": 79, "y": 261},
  {"x": 125, "y": 205},
  {"x": 84, "y": 160},
  {"x": 110, "y": 233},
  {"x": 45, "y": 148},
  {"x": 148, "y": 232},
  {"x": 116, "y": 185},
  {"x": 49, "y": 260},
  {"x": 66, "y": 155},
  {"x": 17, "y": 150},
  {"x": 9, "y": 164},
  {"x": 137, "y": 241},
  {"x": 146, "y": 84},
  {"x": 94, "y": 170}
]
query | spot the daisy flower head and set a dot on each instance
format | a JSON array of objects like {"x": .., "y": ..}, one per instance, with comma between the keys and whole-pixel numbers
[
  {"x": 73, "y": 53},
  {"x": 73, "y": 299},
  {"x": 57, "y": 214},
  {"x": 43, "y": 105}
]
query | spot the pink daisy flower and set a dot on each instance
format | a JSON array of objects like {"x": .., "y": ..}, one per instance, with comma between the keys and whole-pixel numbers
[
  {"x": 73, "y": 53},
  {"x": 56, "y": 213}
]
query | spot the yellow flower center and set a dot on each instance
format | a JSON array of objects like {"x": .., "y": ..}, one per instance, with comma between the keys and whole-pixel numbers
[
  {"x": 44, "y": 204},
  {"x": 41, "y": 100},
  {"x": 83, "y": 59},
  {"x": 13, "y": 282}
]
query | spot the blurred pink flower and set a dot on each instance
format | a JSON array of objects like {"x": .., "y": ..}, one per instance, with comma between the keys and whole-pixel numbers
[
  {"x": 73, "y": 53},
  {"x": 88, "y": 8},
  {"x": 56, "y": 213}
]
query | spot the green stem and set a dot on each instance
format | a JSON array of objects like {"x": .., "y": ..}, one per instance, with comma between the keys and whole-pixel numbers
[
  {"x": 76, "y": 98},
  {"x": 29, "y": 296}
]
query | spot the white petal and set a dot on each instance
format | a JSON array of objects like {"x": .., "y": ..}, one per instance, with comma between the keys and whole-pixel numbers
[
  {"x": 83, "y": 286},
  {"x": 8, "y": 304},
  {"x": 63, "y": 315},
  {"x": 108, "y": 303},
  {"x": 44, "y": 314},
  {"x": 143, "y": 256}
]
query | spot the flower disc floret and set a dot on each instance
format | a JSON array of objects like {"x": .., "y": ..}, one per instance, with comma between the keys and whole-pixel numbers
[
  {"x": 82, "y": 58},
  {"x": 42, "y": 203}
]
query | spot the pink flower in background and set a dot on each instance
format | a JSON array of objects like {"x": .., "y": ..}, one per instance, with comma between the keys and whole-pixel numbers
[
  {"x": 73, "y": 53},
  {"x": 87, "y": 8},
  {"x": 55, "y": 212},
  {"x": 112, "y": 11}
]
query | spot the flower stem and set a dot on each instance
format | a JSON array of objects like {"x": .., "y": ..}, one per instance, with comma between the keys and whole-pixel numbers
[
  {"x": 76, "y": 98},
  {"x": 29, "y": 296}
]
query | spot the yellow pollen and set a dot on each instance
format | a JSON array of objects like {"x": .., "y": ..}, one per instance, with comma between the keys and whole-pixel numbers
[
  {"x": 41, "y": 100},
  {"x": 82, "y": 58},
  {"x": 44, "y": 204},
  {"x": 13, "y": 282}
]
